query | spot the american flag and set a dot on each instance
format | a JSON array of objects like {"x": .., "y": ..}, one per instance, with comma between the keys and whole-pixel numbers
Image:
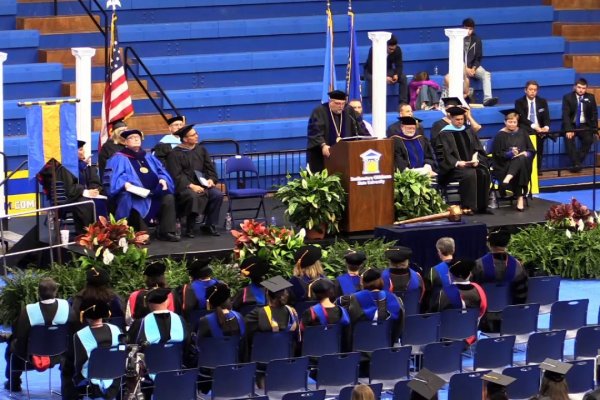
[{"x": 116, "y": 103}]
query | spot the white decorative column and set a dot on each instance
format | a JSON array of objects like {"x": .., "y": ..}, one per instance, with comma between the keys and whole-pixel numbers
[
  {"x": 379, "y": 84},
  {"x": 456, "y": 61},
  {"x": 83, "y": 90},
  {"x": 3, "y": 57}
]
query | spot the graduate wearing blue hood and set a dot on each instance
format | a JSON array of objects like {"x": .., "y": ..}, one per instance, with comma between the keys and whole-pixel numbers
[
  {"x": 462, "y": 158},
  {"x": 412, "y": 150}
]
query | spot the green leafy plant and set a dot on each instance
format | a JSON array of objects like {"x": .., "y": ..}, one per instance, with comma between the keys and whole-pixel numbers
[
  {"x": 228, "y": 273},
  {"x": 334, "y": 263},
  {"x": 414, "y": 196},
  {"x": 314, "y": 200},
  {"x": 20, "y": 288}
]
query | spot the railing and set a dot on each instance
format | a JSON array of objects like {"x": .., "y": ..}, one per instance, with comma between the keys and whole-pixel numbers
[
  {"x": 104, "y": 31},
  {"x": 139, "y": 61}
]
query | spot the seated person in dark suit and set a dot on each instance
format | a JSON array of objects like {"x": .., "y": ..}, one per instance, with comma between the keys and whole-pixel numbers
[
  {"x": 142, "y": 188},
  {"x": 395, "y": 74},
  {"x": 195, "y": 178},
  {"x": 411, "y": 150},
  {"x": 254, "y": 294},
  {"x": 170, "y": 141},
  {"x": 404, "y": 110},
  {"x": 48, "y": 311}
]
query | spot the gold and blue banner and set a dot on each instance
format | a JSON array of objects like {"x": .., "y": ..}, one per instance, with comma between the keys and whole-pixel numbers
[
  {"x": 352, "y": 68},
  {"x": 329, "y": 65},
  {"x": 52, "y": 134}
]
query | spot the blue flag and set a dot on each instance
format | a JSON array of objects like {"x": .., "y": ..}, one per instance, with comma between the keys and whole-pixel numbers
[
  {"x": 352, "y": 68},
  {"x": 329, "y": 66},
  {"x": 52, "y": 134}
]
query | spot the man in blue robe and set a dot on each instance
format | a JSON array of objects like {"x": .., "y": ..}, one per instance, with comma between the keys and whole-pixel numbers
[{"x": 142, "y": 188}]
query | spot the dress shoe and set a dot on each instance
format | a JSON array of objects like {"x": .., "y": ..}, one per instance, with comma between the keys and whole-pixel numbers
[
  {"x": 210, "y": 230},
  {"x": 492, "y": 101},
  {"x": 167, "y": 237},
  {"x": 16, "y": 387},
  {"x": 190, "y": 233}
]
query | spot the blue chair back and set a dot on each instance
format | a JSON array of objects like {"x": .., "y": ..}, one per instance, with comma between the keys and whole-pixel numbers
[
  {"x": 180, "y": 385},
  {"x": 233, "y": 381},
  {"x": 47, "y": 340},
  {"x": 346, "y": 392},
  {"x": 421, "y": 329},
  {"x": 543, "y": 289},
  {"x": 458, "y": 324},
  {"x": 371, "y": 335},
  {"x": 215, "y": 351},
  {"x": 401, "y": 390},
  {"x": 568, "y": 314},
  {"x": 542, "y": 345},
  {"x": 494, "y": 353},
  {"x": 310, "y": 395},
  {"x": 443, "y": 357},
  {"x": 267, "y": 346},
  {"x": 411, "y": 300},
  {"x": 161, "y": 357},
  {"x": 334, "y": 371},
  {"x": 319, "y": 340},
  {"x": 240, "y": 163},
  {"x": 387, "y": 366},
  {"x": 467, "y": 385},
  {"x": 288, "y": 375},
  {"x": 527, "y": 382},
  {"x": 519, "y": 319},
  {"x": 587, "y": 342},
  {"x": 498, "y": 296},
  {"x": 107, "y": 362},
  {"x": 580, "y": 377}
]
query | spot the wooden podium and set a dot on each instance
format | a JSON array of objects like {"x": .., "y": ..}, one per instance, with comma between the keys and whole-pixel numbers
[{"x": 367, "y": 173}]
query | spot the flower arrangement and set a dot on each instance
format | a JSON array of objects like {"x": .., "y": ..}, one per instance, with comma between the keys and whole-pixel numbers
[
  {"x": 571, "y": 215},
  {"x": 272, "y": 243}
]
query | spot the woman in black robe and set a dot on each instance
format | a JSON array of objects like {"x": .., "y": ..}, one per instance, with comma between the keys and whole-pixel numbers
[{"x": 513, "y": 154}]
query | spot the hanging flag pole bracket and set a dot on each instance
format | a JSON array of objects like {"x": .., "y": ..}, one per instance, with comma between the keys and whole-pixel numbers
[{"x": 47, "y": 102}]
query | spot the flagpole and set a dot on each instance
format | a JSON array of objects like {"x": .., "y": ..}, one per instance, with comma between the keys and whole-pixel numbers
[{"x": 3, "y": 210}]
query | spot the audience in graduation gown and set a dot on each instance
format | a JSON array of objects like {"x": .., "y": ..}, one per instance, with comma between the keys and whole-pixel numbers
[
  {"x": 49, "y": 310},
  {"x": 461, "y": 158},
  {"x": 440, "y": 124},
  {"x": 425, "y": 385},
  {"x": 192, "y": 296},
  {"x": 439, "y": 275},
  {"x": 254, "y": 294},
  {"x": 96, "y": 334},
  {"x": 494, "y": 385},
  {"x": 399, "y": 277},
  {"x": 554, "y": 386},
  {"x": 195, "y": 177},
  {"x": 513, "y": 153},
  {"x": 170, "y": 141},
  {"x": 349, "y": 283},
  {"x": 137, "y": 304},
  {"x": 499, "y": 266},
  {"x": 133, "y": 169},
  {"x": 113, "y": 145},
  {"x": 325, "y": 312},
  {"x": 411, "y": 150},
  {"x": 307, "y": 268}
]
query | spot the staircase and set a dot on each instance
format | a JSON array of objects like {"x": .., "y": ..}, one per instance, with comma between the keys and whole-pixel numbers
[{"x": 149, "y": 122}]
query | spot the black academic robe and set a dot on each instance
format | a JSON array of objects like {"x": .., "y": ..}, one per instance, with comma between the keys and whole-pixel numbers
[
  {"x": 453, "y": 145},
  {"x": 436, "y": 128},
  {"x": 322, "y": 131},
  {"x": 334, "y": 315},
  {"x": 107, "y": 151},
  {"x": 163, "y": 322},
  {"x": 230, "y": 326},
  {"x": 469, "y": 295},
  {"x": 403, "y": 151},
  {"x": 505, "y": 163}
]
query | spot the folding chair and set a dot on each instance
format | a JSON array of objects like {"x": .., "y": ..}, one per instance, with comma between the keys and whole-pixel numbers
[
  {"x": 494, "y": 353},
  {"x": 421, "y": 329},
  {"x": 520, "y": 320},
  {"x": 107, "y": 363},
  {"x": 215, "y": 351},
  {"x": 160, "y": 357},
  {"x": 459, "y": 324},
  {"x": 570, "y": 315},
  {"x": 245, "y": 174},
  {"x": 180, "y": 385},
  {"x": 587, "y": 342},
  {"x": 387, "y": 366},
  {"x": 443, "y": 358},
  {"x": 411, "y": 300},
  {"x": 544, "y": 291},
  {"x": 371, "y": 335},
  {"x": 542, "y": 345},
  {"x": 527, "y": 382},
  {"x": 310, "y": 395},
  {"x": 43, "y": 340},
  {"x": 319, "y": 340},
  {"x": 335, "y": 371},
  {"x": 467, "y": 385},
  {"x": 401, "y": 390},
  {"x": 498, "y": 296},
  {"x": 233, "y": 381},
  {"x": 267, "y": 346},
  {"x": 285, "y": 376},
  {"x": 346, "y": 392},
  {"x": 580, "y": 377}
]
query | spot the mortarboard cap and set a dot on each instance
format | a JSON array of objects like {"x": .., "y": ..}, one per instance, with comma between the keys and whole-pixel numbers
[
  {"x": 321, "y": 286},
  {"x": 199, "y": 269},
  {"x": 337, "y": 95},
  {"x": 94, "y": 309},
  {"x": 461, "y": 268},
  {"x": 554, "y": 369},
  {"x": 156, "y": 268},
  {"x": 307, "y": 255},
  {"x": 454, "y": 111},
  {"x": 409, "y": 120},
  {"x": 217, "y": 294},
  {"x": 355, "y": 257},
  {"x": 97, "y": 276},
  {"x": 127, "y": 133},
  {"x": 80, "y": 144},
  {"x": 119, "y": 124},
  {"x": 158, "y": 295},
  {"x": 398, "y": 254},
  {"x": 184, "y": 131},
  {"x": 451, "y": 101},
  {"x": 254, "y": 267},
  {"x": 370, "y": 275},
  {"x": 426, "y": 383},
  {"x": 175, "y": 119},
  {"x": 496, "y": 382},
  {"x": 499, "y": 238},
  {"x": 276, "y": 284},
  {"x": 509, "y": 111}
]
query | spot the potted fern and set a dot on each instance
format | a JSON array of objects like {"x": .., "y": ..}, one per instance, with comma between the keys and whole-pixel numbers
[{"x": 314, "y": 201}]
